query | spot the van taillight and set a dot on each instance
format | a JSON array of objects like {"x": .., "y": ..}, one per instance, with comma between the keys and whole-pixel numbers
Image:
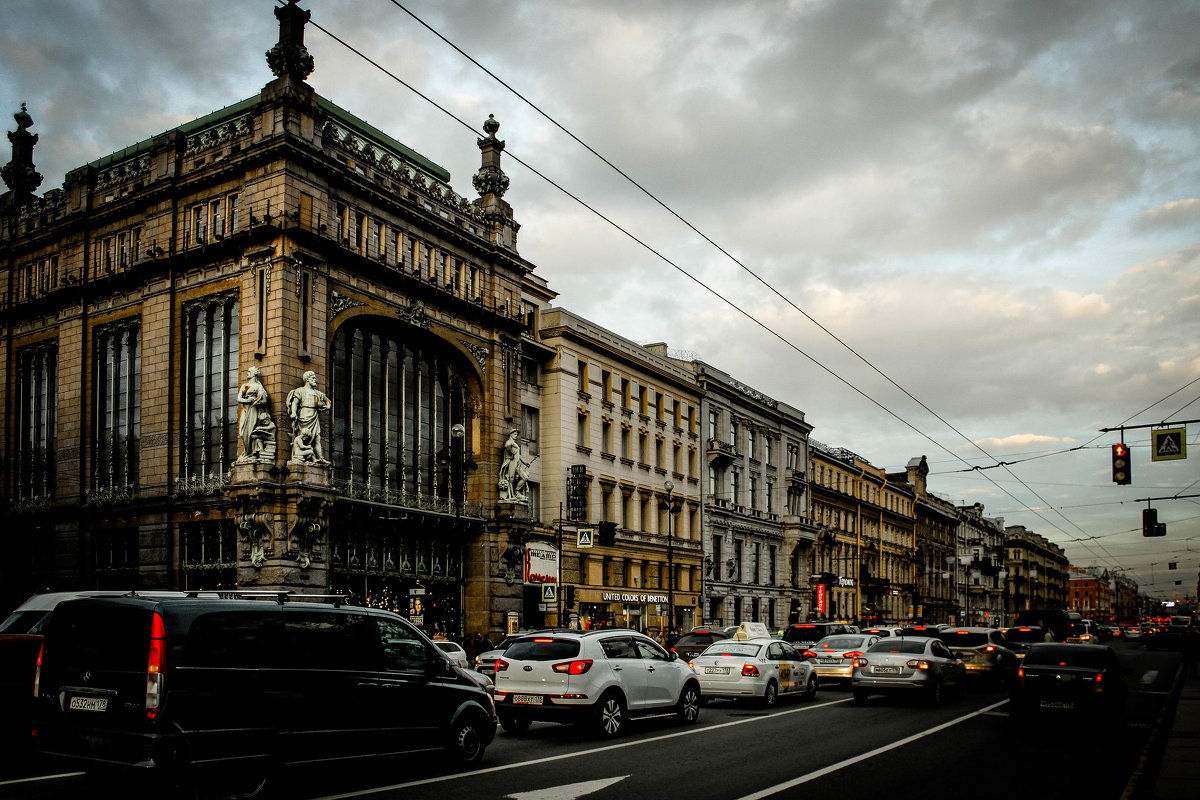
[
  {"x": 156, "y": 665},
  {"x": 37, "y": 673}
]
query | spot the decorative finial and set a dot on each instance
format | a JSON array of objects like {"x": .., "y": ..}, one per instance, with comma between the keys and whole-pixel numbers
[
  {"x": 289, "y": 56},
  {"x": 19, "y": 174},
  {"x": 490, "y": 125}
]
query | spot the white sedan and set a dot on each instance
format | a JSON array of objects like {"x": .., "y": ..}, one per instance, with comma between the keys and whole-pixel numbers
[
  {"x": 454, "y": 652},
  {"x": 759, "y": 669}
]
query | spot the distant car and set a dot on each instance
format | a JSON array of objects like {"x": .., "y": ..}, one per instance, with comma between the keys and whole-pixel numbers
[
  {"x": 1083, "y": 632},
  {"x": 1023, "y": 637},
  {"x": 803, "y": 635},
  {"x": 761, "y": 669},
  {"x": 833, "y": 657},
  {"x": 454, "y": 651},
  {"x": 486, "y": 662},
  {"x": 883, "y": 632},
  {"x": 908, "y": 665},
  {"x": 696, "y": 641},
  {"x": 921, "y": 630},
  {"x": 1069, "y": 680},
  {"x": 598, "y": 678},
  {"x": 984, "y": 651}
]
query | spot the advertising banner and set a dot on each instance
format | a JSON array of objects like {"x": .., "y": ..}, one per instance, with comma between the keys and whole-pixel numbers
[{"x": 541, "y": 563}]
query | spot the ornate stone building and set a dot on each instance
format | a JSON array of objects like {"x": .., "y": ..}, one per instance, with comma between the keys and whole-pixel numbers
[
  {"x": 864, "y": 563},
  {"x": 1037, "y": 569},
  {"x": 979, "y": 574},
  {"x": 758, "y": 536},
  {"x": 269, "y": 348}
]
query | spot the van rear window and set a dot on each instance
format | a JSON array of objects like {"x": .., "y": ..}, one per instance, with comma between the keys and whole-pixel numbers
[{"x": 110, "y": 637}]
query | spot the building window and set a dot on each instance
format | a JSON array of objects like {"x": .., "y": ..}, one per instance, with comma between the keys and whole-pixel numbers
[
  {"x": 660, "y": 461},
  {"x": 753, "y": 491},
  {"x": 116, "y": 419},
  {"x": 737, "y": 560},
  {"x": 606, "y": 386},
  {"x": 606, "y": 436},
  {"x": 658, "y": 406},
  {"x": 211, "y": 386},
  {"x": 535, "y": 500},
  {"x": 208, "y": 554},
  {"x": 115, "y": 558},
  {"x": 643, "y": 448},
  {"x": 768, "y": 448},
  {"x": 751, "y": 443},
  {"x": 581, "y": 434},
  {"x": 625, "y": 393},
  {"x": 676, "y": 413},
  {"x": 771, "y": 564},
  {"x": 733, "y": 432},
  {"x": 735, "y": 487},
  {"x": 718, "y": 566},
  {"x": 626, "y": 443},
  {"x": 643, "y": 400},
  {"x": 714, "y": 421},
  {"x": 529, "y": 372},
  {"x": 793, "y": 456},
  {"x": 396, "y": 394},
  {"x": 769, "y": 494},
  {"x": 677, "y": 458},
  {"x": 756, "y": 573},
  {"x": 36, "y": 431},
  {"x": 530, "y": 423},
  {"x": 581, "y": 377}
]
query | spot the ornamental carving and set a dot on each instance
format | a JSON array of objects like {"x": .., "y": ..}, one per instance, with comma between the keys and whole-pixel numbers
[
  {"x": 123, "y": 172},
  {"x": 490, "y": 180},
  {"x": 753, "y": 394},
  {"x": 414, "y": 315},
  {"x": 220, "y": 135},
  {"x": 478, "y": 352},
  {"x": 340, "y": 302}
]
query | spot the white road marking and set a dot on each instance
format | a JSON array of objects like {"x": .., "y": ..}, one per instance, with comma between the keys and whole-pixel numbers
[
  {"x": 849, "y": 762},
  {"x": 569, "y": 791},
  {"x": 37, "y": 778},
  {"x": 691, "y": 731}
]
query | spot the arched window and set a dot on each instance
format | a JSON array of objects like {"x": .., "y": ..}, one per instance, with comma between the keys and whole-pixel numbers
[{"x": 397, "y": 392}]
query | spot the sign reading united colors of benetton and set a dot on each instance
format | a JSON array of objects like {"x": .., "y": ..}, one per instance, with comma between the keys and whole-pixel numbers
[
  {"x": 1168, "y": 444},
  {"x": 633, "y": 597}
]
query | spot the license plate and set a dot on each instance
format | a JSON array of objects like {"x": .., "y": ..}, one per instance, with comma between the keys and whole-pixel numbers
[
  {"x": 829, "y": 661},
  {"x": 527, "y": 699},
  {"x": 89, "y": 703},
  {"x": 886, "y": 670},
  {"x": 1056, "y": 704},
  {"x": 716, "y": 670}
]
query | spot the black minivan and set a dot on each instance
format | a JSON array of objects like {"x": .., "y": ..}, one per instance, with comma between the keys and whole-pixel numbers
[{"x": 196, "y": 689}]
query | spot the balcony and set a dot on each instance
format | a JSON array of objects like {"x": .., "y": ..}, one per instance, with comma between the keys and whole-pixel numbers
[{"x": 720, "y": 453}]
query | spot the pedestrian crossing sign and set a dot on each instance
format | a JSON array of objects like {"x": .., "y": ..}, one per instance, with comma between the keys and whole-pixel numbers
[
  {"x": 1168, "y": 444},
  {"x": 549, "y": 593},
  {"x": 586, "y": 535}
]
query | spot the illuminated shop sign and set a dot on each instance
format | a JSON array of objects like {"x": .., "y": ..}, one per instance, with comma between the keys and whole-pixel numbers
[{"x": 633, "y": 597}]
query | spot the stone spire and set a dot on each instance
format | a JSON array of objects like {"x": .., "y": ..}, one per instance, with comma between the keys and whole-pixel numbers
[
  {"x": 289, "y": 57},
  {"x": 19, "y": 173},
  {"x": 492, "y": 183}
]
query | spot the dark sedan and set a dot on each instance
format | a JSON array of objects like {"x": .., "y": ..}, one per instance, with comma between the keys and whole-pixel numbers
[{"x": 1072, "y": 681}]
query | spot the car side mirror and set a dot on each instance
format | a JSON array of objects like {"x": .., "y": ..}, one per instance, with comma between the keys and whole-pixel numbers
[{"x": 672, "y": 655}]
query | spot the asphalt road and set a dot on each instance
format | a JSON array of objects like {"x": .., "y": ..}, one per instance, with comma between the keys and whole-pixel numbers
[{"x": 828, "y": 747}]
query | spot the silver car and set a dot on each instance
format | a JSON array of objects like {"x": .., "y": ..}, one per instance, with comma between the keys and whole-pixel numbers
[
  {"x": 908, "y": 665},
  {"x": 833, "y": 657}
]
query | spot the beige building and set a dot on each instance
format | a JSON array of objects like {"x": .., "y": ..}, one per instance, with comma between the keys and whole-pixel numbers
[
  {"x": 620, "y": 451},
  {"x": 1038, "y": 571}
]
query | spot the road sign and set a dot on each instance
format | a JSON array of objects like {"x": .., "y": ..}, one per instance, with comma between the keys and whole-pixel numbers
[
  {"x": 585, "y": 536},
  {"x": 1168, "y": 444},
  {"x": 549, "y": 593}
]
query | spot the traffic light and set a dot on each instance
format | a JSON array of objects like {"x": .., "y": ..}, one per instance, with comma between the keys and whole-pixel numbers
[
  {"x": 569, "y": 596},
  {"x": 1150, "y": 524},
  {"x": 1122, "y": 472},
  {"x": 607, "y": 534}
]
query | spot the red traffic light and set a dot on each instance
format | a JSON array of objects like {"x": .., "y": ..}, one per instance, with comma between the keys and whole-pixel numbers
[{"x": 1120, "y": 451}]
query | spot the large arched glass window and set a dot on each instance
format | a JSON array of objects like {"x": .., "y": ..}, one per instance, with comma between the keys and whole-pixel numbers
[{"x": 397, "y": 393}]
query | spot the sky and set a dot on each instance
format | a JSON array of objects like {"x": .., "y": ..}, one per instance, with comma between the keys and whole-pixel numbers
[{"x": 963, "y": 230}]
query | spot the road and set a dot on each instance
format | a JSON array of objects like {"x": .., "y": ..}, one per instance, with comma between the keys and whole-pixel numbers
[{"x": 826, "y": 747}]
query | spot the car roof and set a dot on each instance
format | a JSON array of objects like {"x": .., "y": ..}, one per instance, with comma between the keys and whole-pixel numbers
[{"x": 48, "y": 600}]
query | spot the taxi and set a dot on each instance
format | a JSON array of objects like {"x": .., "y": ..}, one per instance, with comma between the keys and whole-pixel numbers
[{"x": 757, "y": 668}]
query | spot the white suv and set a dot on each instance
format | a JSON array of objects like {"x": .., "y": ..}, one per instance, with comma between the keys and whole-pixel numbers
[{"x": 600, "y": 677}]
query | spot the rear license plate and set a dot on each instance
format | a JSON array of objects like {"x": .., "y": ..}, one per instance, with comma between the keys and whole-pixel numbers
[
  {"x": 89, "y": 704},
  {"x": 716, "y": 670},
  {"x": 527, "y": 699},
  {"x": 1056, "y": 704},
  {"x": 886, "y": 671},
  {"x": 829, "y": 661}
]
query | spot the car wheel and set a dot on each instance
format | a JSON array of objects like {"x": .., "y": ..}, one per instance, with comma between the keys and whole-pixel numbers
[
  {"x": 810, "y": 688},
  {"x": 514, "y": 724},
  {"x": 860, "y": 697},
  {"x": 688, "y": 710},
  {"x": 935, "y": 694},
  {"x": 610, "y": 715},
  {"x": 770, "y": 695},
  {"x": 466, "y": 744}
]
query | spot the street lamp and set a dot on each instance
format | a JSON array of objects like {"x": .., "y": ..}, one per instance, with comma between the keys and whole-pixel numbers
[
  {"x": 458, "y": 433},
  {"x": 668, "y": 505}
]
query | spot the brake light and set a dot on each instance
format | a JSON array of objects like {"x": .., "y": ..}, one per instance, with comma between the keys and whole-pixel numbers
[
  {"x": 577, "y": 667},
  {"x": 1098, "y": 686},
  {"x": 860, "y": 662},
  {"x": 156, "y": 664},
  {"x": 962, "y": 631},
  {"x": 501, "y": 665},
  {"x": 1021, "y": 676},
  {"x": 543, "y": 641},
  {"x": 917, "y": 663},
  {"x": 37, "y": 673},
  {"x": 749, "y": 671},
  {"x": 991, "y": 648},
  {"x": 809, "y": 654},
  {"x": 852, "y": 654}
]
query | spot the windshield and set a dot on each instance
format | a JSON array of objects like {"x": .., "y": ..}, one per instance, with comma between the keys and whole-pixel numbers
[
  {"x": 963, "y": 638},
  {"x": 732, "y": 648},
  {"x": 25, "y": 622},
  {"x": 841, "y": 642},
  {"x": 898, "y": 645},
  {"x": 803, "y": 633}
]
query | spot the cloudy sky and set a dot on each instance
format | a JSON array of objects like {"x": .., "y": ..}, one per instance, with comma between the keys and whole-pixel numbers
[{"x": 994, "y": 206}]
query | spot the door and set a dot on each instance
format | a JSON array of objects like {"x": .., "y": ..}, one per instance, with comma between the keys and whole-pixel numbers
[
  {"x": 663, "y": 682},
  {"x": 627, "y": 668}
]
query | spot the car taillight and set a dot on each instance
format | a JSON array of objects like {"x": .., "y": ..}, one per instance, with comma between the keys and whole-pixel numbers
[
  {"x": 37, "y": 673},
  {"x": 860, "y": 662},
  {"x": 501, "y": 665},
  {"x": 991, "y": 648},
  {"x": 1098, "y": 686},
  {"x": 577, "y": 667},
  {"x": 917, "y": 663},
  {"x": 749, "y": 671},
  {"x": 852, "y": 654},
  {"x": 809, "y": 654},
  {"x": 156, "y": 664},
  {"x": 1021, "y": 676}
]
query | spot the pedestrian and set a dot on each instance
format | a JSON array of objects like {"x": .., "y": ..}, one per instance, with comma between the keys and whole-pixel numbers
[{"x": 485, "y": 644}]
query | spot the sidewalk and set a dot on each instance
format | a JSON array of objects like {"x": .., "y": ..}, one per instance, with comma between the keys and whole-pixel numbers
[{"x": 1179, "y": 768}]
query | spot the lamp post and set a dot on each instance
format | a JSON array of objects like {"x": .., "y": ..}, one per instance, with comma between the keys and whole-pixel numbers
[
  {"x": 458, "y": 433},
  {"x": 668, "y": 505}
]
